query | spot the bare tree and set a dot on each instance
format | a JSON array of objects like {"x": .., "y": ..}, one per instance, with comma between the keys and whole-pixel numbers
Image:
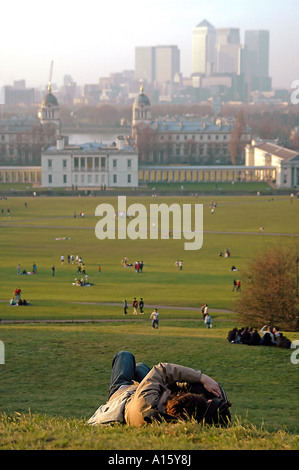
[
  {"x": 235, "y": 144},
  {"x": 145, "y": 141},
  {"x": 269, "y": 292}
]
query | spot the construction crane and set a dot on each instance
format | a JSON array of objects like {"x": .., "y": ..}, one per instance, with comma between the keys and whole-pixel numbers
[{"x": 50, "y": 77}]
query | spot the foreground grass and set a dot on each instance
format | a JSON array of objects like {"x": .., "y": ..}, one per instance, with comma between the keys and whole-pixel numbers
[
  {"x": 40, "y": 432},
  {"x": 65, "y": 370}
]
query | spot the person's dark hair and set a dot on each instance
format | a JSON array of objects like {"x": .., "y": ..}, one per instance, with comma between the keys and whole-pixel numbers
[{"x": 186, "y": 405}]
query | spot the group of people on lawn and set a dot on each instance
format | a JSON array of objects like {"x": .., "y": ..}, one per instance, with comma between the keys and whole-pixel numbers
[
  {"x": 138, "y": 265},
  {"x": 267, "y": 336},
  {"x": 179, "y": 264},
  {"x": 16, "y": 298},
  {"x": 135, "y": 305}
]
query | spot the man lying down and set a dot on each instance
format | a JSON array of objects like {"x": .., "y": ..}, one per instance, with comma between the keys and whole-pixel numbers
[{"x": 140, "y": 395}]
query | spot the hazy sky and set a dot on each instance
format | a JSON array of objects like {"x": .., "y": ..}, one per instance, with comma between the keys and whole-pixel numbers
[{"x": 91, "y": 39}]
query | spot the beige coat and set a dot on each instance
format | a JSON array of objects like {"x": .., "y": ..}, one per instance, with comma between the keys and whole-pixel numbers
[
  {"x": 150, "y": 397},
  {"x": 140, "y": 403}
]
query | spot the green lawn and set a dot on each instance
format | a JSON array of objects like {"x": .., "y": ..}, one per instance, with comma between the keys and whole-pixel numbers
[
  {"x": 212, "y": 187},
  {"x": 29, "y": 236},
  {"x": 62, "y": 370},
  {"x": 65, "y": 369}
]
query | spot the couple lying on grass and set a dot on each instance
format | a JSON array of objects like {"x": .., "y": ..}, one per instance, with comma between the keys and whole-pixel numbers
[{"x": 140, "y": 395}]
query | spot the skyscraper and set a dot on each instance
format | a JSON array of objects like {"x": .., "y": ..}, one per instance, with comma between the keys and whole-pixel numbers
[
  {"x": 145, "y": 63},
  {"x": 203, "y": 48},
  {"x": 157, "y": 64},
  {"x": 225, "y": 36},
  {"x": 167, "y": 63},
  {"x": 257, "y": 70},
  {"x": 228, "y": 51},
  {"x": 257, "y": 44}
]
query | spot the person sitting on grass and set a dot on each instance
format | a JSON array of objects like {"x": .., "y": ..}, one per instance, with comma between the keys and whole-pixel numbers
[
  {"x": 12, "y": 301},
  {"x": 77, "y": 282},
  {"x": 139, "y": 395},
  {"x": 267, "y": 336}
]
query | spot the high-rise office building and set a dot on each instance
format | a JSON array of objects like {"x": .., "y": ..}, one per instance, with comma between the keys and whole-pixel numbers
[
  {"x": 225, "y": 36},
  {"x": 228, "y": 51},
  {"x": 145, "y": 63},
  {"x": 229, "y": 59},
  {"x": 203, "y": 48},
  {"x": 16, "y": 96},
  {"x": 167, "y": 63},
  {"x": 257, "y": 44},
  {"x": 257, "y": 67},
  {"x": 157, "y": 64}
]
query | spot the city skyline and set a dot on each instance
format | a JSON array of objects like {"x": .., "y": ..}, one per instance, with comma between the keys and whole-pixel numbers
[{"x": 89, "y": 42}]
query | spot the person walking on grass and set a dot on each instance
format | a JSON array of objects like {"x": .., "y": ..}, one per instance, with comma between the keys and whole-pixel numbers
[
  {"x": 208, "y": 321},
  {"x": 206, "y": 310},
  {"x": 155, "y": 319},
  {"x": 141, "y": 305},
  {"x": 125, "y": 307},
  {"x": 135, "y": 305}
]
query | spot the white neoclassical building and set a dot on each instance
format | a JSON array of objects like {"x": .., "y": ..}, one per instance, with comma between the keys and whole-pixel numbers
[
  {"x": 270, "y": 154},
  {"x": 91, "y": 165}
]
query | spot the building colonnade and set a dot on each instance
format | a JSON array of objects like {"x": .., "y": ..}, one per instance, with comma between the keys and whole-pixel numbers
[
  {"x": 170, "y": 174},
  {"x": 206, "y": 173},
  {"x": 21, "y": 174}
]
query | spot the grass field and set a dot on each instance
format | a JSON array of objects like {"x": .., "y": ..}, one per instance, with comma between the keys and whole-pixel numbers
[{"x": 56, "y": 374}]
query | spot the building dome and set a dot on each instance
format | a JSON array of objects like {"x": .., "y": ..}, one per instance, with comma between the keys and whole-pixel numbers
[
  {"x": 142, "y": 99},
  {"x": 142, "y": 115},
  {"x": 49, "y": 99},
  {"x": 49, "y": 112}
]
